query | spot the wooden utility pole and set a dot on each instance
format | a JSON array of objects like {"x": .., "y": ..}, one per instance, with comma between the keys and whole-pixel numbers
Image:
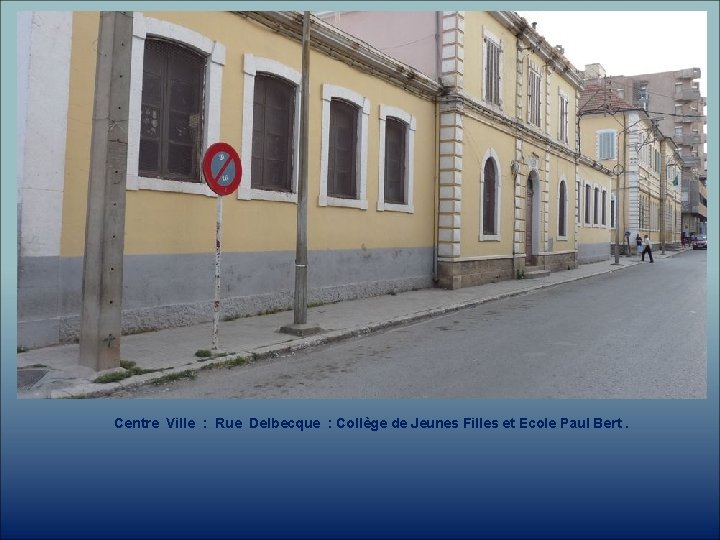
[{"x": 101, "y": 323}]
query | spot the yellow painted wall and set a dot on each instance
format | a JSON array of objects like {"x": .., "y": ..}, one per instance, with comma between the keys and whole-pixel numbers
[
  {"x": 474, "y": 61},
  {"x": 589, "y": 233},
  {"x": 478, "y": 138},
  {"x": 165, "y": 222}
]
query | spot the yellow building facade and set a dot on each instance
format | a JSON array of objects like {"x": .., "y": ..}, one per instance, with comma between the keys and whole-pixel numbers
[
  {"x": 372, "y": 180},
  {"x": 507, "y": 150}
]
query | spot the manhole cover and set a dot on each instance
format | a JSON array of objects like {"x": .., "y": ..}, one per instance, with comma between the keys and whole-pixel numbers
[{"x": 26, "y": 378}]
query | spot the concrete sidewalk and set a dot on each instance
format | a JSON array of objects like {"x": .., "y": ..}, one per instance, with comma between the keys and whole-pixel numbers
[{"x": 54, "y": 372}]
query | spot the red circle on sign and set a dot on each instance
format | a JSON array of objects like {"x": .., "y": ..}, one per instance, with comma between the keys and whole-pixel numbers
[{"x": 211, "y": 179}]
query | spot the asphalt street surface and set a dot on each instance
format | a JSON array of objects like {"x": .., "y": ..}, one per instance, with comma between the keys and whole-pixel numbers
[{"x": 637, "y": 333}]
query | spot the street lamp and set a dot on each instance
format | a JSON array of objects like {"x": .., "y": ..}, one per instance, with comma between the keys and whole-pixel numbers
[{"x": 617, "y": 171}]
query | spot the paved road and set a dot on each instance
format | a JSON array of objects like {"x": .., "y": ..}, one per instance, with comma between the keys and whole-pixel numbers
[{"x": 638, "y": 333}]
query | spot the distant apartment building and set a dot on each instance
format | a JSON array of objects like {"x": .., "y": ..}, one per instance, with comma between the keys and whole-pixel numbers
[{"x": 674, "y": 99}]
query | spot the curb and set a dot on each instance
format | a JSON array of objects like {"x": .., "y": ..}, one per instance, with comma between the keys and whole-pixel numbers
[{"x": 91, "y": 389}]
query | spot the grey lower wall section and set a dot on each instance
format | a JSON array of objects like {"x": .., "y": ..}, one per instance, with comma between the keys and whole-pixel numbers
[
  {"x": 164, "y": 291},
  {"x": 590, "y": 253}
]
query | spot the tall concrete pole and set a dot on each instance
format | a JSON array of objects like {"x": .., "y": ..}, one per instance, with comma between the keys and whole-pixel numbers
[
  {"x": 300, "y": 306},
  {"x": 100, "y": 325},
  {"x": 663, "y": 194},
  {"x": 300, "y": 326}
]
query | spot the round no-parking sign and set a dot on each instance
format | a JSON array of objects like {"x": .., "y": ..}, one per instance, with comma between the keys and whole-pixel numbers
[{"x": 221, "y": 168}]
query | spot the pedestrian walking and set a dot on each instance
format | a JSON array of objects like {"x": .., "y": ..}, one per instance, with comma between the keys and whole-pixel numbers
[
  {"x": 647, "y": 249},
  {"x": 638, "y": 244},
  {"x": 683, "y": 239}
]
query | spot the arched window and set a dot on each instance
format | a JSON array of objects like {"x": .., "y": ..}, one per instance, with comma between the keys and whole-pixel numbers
[
  {"x": 562, "y": 208},
  {"x": 489, "y": 197}
]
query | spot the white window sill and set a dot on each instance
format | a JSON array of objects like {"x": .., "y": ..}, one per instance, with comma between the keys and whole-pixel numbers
[
  {"x": 489, "y": 238},
  {"x": 389, "y": 207},
  {"x": 348, "y": 203},
  {"x": 266, "y": 195},
  {"x": 135, "y": 183}
]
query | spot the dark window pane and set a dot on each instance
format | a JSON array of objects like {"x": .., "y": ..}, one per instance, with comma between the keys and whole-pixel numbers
[
  {"x": 561, "y": 217},
  {"x": 489, "y": 197},
  {"x": 343, "y": 144},
  {"x": 149, "y": 157},
  {"x": 395, "y": 132},
  {"x": 180, "y": 159},
  {"x": 272, "y": 145},
  {"x": 171, "y": 111}
]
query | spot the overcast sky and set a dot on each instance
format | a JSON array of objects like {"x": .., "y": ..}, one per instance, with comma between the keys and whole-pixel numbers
[{"x": 628, "y": 42}]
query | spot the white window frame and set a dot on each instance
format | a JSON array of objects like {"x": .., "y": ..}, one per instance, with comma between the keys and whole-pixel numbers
[
  {"x": 251, "y": 66},
  {"x": 565, "y": 236},
  {"x": 491, "y": 153},
  {"x": 596, "y": 205},
  {"x": 215, "y": 60},
  {"x": 410, "y": 125},
  {"x": 330, "y": 91},
  {"x": 578, "y": 201},
  {"x": 563, "y": 117},
  {"x": 534, "y": 91},
  {"x": 599, "y": 136},
  {"x": 588, "y": 204},
  {"x": 497, "y": 42}
]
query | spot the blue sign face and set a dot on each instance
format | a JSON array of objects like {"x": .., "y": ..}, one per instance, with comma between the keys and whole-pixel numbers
[{"x": 223, "y": 168}]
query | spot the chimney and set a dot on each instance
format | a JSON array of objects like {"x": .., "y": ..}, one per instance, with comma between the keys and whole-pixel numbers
[{"x": 594, "y": 71}]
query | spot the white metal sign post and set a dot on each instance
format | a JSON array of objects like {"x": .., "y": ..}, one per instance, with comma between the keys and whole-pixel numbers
[{"x": 222, "y": 171}]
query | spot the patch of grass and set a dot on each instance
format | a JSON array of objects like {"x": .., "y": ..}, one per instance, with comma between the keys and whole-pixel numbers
[
  {"x": 113, "y": 377},
  {"x": 171, "y": 377},
  {"x": 520, "y": 274},
  {"x": 131, "y": 368},
  {"x": 203, "y": 353}
]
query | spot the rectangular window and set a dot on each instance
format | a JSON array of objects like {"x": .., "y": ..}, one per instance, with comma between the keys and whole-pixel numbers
[
  {"x": 577, "y": 202},
  {"x": 563, "y": 120},
  {"x": 534, "y": 97},
  {"x": 272, "y": 141},
  {"x": 612, "y": 211},
  {"x": 492, "y": 71},
  {"x": 606, "y": 145},
  {"x": 678, "y": 131},
  {"x": 342, "y": 158},
  {"x": 603, "y": 215},
  {"x": 171, "y": 115},
  {"x": 588, "y": 200},
  {"x": 395, "y": 145},
  {"x": 595, "y": 206}
]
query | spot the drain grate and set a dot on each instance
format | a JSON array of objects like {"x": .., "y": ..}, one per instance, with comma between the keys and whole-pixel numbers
[{"x": 26, "y": 378}]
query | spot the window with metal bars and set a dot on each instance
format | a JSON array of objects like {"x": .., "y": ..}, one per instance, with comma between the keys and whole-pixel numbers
[
  {"x": 272, "y": 142},
  {"x": 492, "y": 71},
  {"x": 171, "y": 122},
  {"x": 395, "y": 151},
  {"x": 342, "y": 158}
]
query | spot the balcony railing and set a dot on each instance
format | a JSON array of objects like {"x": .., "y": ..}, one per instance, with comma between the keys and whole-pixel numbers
[{"x": 690, "y": 139}]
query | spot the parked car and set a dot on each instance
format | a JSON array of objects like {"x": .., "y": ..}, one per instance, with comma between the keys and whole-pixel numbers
[{"x": 700, "y": 242}]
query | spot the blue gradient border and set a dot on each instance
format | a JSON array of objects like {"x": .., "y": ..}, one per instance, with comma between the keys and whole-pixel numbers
[{"x": 67, "y": 472}]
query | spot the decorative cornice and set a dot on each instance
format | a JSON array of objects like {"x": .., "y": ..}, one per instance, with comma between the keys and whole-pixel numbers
[
  {"x": 348, "y": 49},
  {"x": 550, "y": 55}
]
